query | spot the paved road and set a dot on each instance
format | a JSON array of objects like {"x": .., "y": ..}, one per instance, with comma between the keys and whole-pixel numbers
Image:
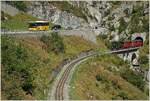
[
  {"x": 88, "y": 34},
  {"x": 59, "y": 90}
]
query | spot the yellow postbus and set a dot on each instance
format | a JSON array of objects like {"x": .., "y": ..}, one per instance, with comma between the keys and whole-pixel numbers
[{"x": 38, "y": 25}]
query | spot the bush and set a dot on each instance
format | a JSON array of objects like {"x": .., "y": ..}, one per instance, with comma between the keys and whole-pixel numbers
[
  {"x": 114, "y": 45},
  {"x": 102, "y": 36},
  {"x": 123, "y": 25},
  {"x": 57, "y": 43},
  {"x": 21, "y": 5},
  {"x": 116, "y": 2},
  {"x": 123, "y": 95},
  {"x": 16, "y": 73},
  {"x": 98, "y": 77},
  {"x": 111, "y": 27},
  {"x": 143, "y": 60},
  {"x": 54, "y": 43},
  {"x": 145, "y": 22},
  {"x": 47, "y": 40},
  {"x": 134, "y": 78},
  {"x": 137, "y": 16},
  {"x": 27, "y": 85}
]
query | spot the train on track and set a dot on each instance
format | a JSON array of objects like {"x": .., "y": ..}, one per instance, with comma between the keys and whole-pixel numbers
[{"x": 126, "y": 44}]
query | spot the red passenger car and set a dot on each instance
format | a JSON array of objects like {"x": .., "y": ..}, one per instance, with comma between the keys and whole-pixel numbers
[{"x": 131, "y": 44}]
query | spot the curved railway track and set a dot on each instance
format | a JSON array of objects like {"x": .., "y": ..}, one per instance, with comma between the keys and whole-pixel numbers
[
  {"x": 61, "y": 83},
  {"x": 59, "y": 91}
]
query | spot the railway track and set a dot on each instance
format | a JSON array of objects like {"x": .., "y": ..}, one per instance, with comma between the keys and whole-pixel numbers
[{"x": 59, "y": 91}]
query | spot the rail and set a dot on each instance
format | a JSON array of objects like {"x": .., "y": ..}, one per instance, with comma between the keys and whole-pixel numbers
[{"x": 59, "y": 90}]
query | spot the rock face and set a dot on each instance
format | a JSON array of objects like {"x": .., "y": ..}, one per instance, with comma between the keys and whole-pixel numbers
[
  {"x": 46, "y": 11},
  {"x": 9, "y": 9},
  {"x": 119, "y": 19}
]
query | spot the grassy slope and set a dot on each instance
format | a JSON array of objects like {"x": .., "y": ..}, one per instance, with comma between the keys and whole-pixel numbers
[
  {"x": 40, "y": 63},
  {"x": 85, "y": 86},
  {"x": 18, "y": 22}
]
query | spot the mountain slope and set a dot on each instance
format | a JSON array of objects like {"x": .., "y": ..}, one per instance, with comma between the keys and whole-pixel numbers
[
  {"x": 27, "y": 66},
  {"x": 101, "y": 78}
]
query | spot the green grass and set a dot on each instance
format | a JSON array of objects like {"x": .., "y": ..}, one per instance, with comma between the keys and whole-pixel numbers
[
  {"x": 74, "y": 44},
  {"x": 101, "y": 42},
  {"x": 36, "y": 62},
  {"x": 18, "y": 22},
  {"x": 85, "y": 86},
  {"x": 20, "y": 58}
]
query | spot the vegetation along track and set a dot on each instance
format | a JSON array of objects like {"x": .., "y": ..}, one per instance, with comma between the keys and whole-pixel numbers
[
  {"x": 59, "y": 91},
  {"x": 60, "y": 85}
]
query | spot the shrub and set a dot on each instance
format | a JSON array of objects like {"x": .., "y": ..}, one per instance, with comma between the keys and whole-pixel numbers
[
  {"x": 111, "y": 27},
  {"x": 114, "y": 45},
  {"x": 47, "y": 40},
  {"x": 27, "y": 85},
  {"x": 116, "y": 2},
  {"x": 143, "y": 60},
  {"x": 57, "y": 43},
  {"x": 16, "y": 73},
  {"x": 137, "y": 16},
  {"x": 145, "y": 22},
  {"x": 123, "y": 25},
  {"x": 110, "y": 18},
  {"x": 102, "y": 36},
  {"x": 123, "y": 95},
  {"x": 21, "y": 5},
  {"x": 134, "y": 78},
  {"x": 98, "y": 77},
  {"x": 54, "y": 42}
]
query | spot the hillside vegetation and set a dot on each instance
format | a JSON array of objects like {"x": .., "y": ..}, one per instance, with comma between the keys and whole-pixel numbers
[
  {"x": 143, "y": 56},
  {"x": 27, "y": 64},
  {"x": 106, "y": 77},
  {"x": 22, "y": 19}
]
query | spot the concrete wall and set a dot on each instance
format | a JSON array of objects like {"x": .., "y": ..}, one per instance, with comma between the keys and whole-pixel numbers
[{"x": 86, "y": 34}]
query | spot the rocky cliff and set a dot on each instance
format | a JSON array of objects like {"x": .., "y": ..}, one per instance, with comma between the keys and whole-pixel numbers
[
  {"x": 47, "y": 11},
  {"x": 119, "y": 19}
]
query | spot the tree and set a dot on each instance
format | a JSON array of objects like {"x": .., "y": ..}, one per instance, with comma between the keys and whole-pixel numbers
[
  {"x": 57, "y": 43},
  {"x": 54, "y": 42},
  {"x": 123, "y": 25},
  {"x": 98, "y": 77}
]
